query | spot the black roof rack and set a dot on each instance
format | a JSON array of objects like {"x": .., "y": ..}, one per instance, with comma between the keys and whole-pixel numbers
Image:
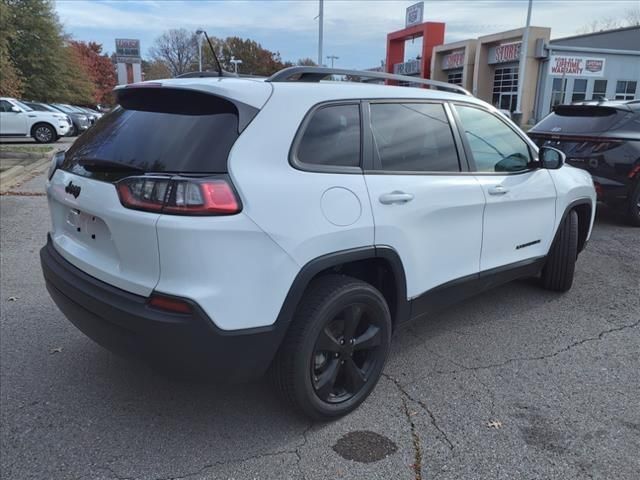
[{"x": 315, "y": 74}]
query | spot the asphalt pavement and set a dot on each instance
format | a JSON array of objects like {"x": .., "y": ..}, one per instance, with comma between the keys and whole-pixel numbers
[{"x": 518, "y": 383}]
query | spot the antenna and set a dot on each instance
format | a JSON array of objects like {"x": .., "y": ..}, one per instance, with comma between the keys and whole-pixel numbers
[{"x": 213, "y": 52}]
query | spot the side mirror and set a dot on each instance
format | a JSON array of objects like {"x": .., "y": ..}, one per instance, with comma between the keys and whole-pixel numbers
[
  {"x": 15, "y": 109},
  {"x": 551, "y": 158}
]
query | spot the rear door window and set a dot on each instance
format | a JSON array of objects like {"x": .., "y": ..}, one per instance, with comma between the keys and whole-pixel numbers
[
  {"x": 331, "y": 138},
  {"x": 171, "y": 131},
  {"x": 413, "y": 137}
]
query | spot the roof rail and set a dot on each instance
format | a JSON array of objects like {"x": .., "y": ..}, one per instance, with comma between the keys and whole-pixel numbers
[{"x": 315, "y": 74}]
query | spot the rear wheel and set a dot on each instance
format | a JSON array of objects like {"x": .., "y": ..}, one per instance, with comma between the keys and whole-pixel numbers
[
  {"x": 44, "y": 133},
  {"x": 633, "y": 207},
  {"x": 335, "y": 349},
  {"x": 557, "y": 273}
]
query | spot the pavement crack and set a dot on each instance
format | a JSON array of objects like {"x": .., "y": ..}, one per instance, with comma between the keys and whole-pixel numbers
[
  {"x": 417, "y": 450},
  {"x": 423, "y": 405},
  {"x": 536, "y": 358}
]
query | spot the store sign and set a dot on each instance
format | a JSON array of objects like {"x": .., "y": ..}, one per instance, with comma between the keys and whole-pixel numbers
[
  {"x": 570, "y": 66},
  {"x": 507, "y": 52},
  {"x": 453, "y": 60},
  {"x": 415, "y": 14},
  {"x": 412, "y": 67},
  {"x": 126, "y": 47}
]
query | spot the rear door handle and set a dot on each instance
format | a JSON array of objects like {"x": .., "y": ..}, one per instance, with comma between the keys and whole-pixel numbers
[
  {"x": 498, "y": 190},
  {"x": 395, "y": 197}
]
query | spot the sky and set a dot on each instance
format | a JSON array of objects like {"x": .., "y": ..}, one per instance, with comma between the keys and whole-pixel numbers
[{"x": 355, "y": 31}]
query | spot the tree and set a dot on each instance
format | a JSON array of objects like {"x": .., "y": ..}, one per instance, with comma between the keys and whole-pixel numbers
[
  {"x": 39, "y": 51},
  {"x": 306, "y": 62},
  {"x": 155, "y": 70},
  {"x": 630, "y": 18},
  {"x": 11, "y": 82},
  {"x": 98, "y": 68},
  {"x": 178, "y": 49},
  {"x": 256, "y": 60}
]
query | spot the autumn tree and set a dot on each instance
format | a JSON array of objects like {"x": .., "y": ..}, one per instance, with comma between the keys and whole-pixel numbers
[
  {"x": 39, "y": 51},
  {"x": 177, "y": 49},
  {"x": 98, "y": 68},
  {"x": 155, "y": 70},
  {"x": 11, "y": 82}
]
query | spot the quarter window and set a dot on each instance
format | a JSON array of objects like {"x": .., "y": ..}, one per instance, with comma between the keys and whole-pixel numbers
[
  {"x": 413, "y": 137},
  {"x": 626, "y": 90},
  {"x": 332, "y": 137},
  {"x": 495, "y": 147}
]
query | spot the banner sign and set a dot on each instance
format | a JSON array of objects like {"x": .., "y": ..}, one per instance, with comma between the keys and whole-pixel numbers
[
  {"x": 507, "y": 52},
  {"x": 570, "y": 66},
  {"x": 415, "y": 14},
  {"x": 126, "y": 47},
  {"x": 453, "y": 60}
]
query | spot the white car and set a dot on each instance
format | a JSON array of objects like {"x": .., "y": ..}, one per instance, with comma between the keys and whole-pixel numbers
[
  {"x": 241, "y": 225},
  {"x": 20, "y": 120}
]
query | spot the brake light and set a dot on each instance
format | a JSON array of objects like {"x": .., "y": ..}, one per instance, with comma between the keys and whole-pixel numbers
[
  {"x": 170, "y": 304},
  {"x": 634, "y": 171},
  {"x": 179, "y": 195}
]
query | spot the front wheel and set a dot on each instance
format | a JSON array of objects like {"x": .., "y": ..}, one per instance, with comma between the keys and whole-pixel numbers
[
  {"x": 335, "y": 349},
  {"x": 557, "y": 273},
  {"x": 43, "y": 133}
]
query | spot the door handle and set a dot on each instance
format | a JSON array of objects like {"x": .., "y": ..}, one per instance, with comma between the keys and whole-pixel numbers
[
  {"x": 395, "y": 197},
  {"x": 498, "y": 190}
]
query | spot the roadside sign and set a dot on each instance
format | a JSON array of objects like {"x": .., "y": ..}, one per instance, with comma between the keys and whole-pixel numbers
[{"x": 415, "y": 14}]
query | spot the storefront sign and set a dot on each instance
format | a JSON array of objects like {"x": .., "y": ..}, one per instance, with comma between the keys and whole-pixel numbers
[
  {"x": 126, "y": 47},
  {"x": 415, "y": 14},
  {"x": 453, "y": 60},
  {"x": 570, "y": 66},
  {"x": 507, "y": 52},
  {"x": 412, "y": 67}
]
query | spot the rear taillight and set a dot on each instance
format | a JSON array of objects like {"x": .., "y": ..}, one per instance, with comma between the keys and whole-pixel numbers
[
  {"x": 179, "y": 195},
  {"x": 634, "y": 171}
]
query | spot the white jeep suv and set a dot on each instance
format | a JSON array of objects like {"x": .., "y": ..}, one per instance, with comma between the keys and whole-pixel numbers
[
  {"x": 20, "y": 120},
  {"x": 289, "y": 224}
]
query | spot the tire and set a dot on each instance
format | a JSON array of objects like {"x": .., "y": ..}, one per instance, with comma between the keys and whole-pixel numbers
[
  {"x": 314, "y": 368},
  {"x": 633, "y": 207},
  {"x": 44, "y": 133},
  {"x": 557, "y": 274}
]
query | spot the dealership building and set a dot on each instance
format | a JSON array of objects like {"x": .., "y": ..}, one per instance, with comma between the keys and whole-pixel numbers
[{"x": 596, "y": 65}]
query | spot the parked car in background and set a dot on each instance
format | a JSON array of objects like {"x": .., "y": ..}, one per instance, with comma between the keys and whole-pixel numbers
[
  {"x": 63, "y": 107},
  {"x": 20, "y": 120},
  {"x": 604, "y": 139},
  {"x": 78, "y": 122},
  {"x": 91, "y": 113},
  {"x": 81, "y": 121}
]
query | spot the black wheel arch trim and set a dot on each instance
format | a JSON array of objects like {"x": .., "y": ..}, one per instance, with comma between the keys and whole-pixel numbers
[{"x": 582, "y": 243}]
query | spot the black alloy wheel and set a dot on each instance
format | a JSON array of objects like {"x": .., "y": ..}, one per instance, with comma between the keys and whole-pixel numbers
[{"x": 335, "y": 348}]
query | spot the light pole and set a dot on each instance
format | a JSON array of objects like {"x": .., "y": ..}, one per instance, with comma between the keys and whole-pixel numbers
[
  {"x": 524, "y": 47},
  {"x": 320, "y": 26},
  {"x": 199, "y": 33},
  {"x": 332, "y": 58},
  {"x": 235, "y": 63}
]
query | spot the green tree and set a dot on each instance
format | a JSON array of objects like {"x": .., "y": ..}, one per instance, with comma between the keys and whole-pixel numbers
[
  {"x": 11, "y": 82},
  {"x": 155, "y": 70},
  {"x": 51, "y": 70},
  {"x": 256, "y": 60}
]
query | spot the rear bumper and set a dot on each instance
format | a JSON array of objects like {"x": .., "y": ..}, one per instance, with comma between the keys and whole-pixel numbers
[{"x": 122, "y": 322}]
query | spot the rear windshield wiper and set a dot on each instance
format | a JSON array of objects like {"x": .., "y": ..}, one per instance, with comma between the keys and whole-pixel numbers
[{"x": 99, "y": 165}]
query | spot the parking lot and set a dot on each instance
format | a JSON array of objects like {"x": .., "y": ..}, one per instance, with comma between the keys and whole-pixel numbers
[{"x": 516, "y": 383}]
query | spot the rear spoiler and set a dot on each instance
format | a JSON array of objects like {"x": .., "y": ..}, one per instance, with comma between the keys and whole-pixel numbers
[{"x": 588, "y": 110}]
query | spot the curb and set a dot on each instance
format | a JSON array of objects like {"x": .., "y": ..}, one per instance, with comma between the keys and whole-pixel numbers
[
  {"x": 24, "y": 155},
  {"x": 19, "y": 173}
]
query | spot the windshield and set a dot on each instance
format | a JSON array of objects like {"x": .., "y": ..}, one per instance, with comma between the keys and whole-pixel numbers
[
  {"x": 65, "y": 108},
  {"x": 26, "y": 108}
]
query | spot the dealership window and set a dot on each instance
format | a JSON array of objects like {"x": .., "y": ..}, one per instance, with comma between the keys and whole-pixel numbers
[
  {"x": 557, "y": 91},
  {"x": 455, "y": 78},
  {"x": 599, "y": 90},
  {"x": 626, "y": 90},
  {"x": 579, "y": 90},
  {"x": 505, "y": 88}
]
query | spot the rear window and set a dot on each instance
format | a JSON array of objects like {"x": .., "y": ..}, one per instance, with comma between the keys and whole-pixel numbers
[
  {"x": 579, "y": 119},
  {"x": 159, "y": 130}
]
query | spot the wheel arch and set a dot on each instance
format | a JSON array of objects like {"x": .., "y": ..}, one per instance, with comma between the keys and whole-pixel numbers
[
  {"x": 584, "y": 209},
  {"x": 380, "y": 266}
]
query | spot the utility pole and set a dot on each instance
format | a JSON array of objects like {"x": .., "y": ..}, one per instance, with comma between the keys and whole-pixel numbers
[
  {"x": 524, "y": 47},
  {"x": 199, "y": 32},
  {"x": 320, "y": 26},
  {"x": 332, "y": 58}
]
